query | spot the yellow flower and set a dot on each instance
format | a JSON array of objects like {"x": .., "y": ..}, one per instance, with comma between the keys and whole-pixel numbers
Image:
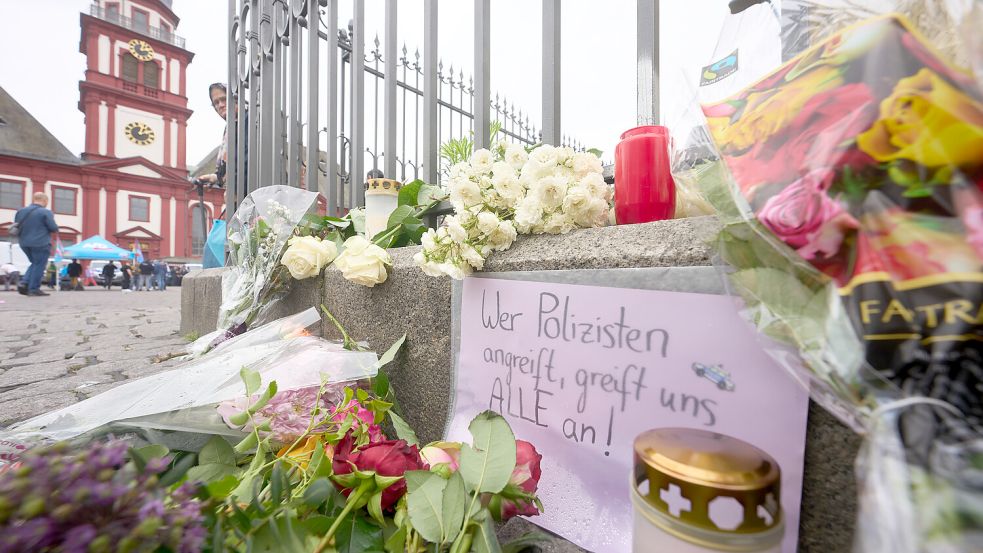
[
  {"x": 767, "y": 112},
  {"x": 928, "y": 121},
  {"x": 303, "y": 452}
]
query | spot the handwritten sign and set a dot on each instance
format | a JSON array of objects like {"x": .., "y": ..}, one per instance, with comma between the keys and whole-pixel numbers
[{"x": 579, "y": 371}]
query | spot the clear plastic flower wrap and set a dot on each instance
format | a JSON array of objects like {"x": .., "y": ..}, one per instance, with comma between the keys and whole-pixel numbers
[
  {"x": 849, "y": 186},
  {"x": 184, "y": 399},
  {"x": 255, "y": 279}
]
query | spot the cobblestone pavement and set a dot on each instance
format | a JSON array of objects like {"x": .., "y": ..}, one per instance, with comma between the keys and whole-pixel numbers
[{"x": 69, "y": 346}]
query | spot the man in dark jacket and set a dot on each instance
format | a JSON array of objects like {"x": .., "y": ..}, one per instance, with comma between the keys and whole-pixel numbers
[
  {"x": 75, "y": 273},
  {"x": 146, "y": 273},
  {"x": 36, "y": 224},
  {"x": 108, "y": 274}
]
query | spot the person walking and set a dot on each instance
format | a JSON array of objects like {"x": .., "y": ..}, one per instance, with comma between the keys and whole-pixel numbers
[
  {"x": 146, "y": 272},
  {"x": 75, "y": 273},
  {"x": 125, "y": 269},
  {"x": 108, "y": 274},
  {"x": 35, "y": 223},
  {"x": 10, "y": 275},
  {"x": 160, "y": 275}
]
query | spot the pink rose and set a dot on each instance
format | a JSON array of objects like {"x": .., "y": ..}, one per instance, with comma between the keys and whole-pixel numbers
[
  {"x": 361, "y": 413},
  {"x": 442, "y": 453},
  {"x": 525, "y": 476},
  {"x": 806, "y": 218}
]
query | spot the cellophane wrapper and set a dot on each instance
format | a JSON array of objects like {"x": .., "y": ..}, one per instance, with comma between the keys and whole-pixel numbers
[
  {"x": 849, "y": 186},
  {"x": 184, "y": 399},
  {"x": 255, "y": 279}
]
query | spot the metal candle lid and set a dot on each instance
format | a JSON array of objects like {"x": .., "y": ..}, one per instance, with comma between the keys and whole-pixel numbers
[
  {"x": 383, "y": 186},
  {"x": 714, "y": 482}
]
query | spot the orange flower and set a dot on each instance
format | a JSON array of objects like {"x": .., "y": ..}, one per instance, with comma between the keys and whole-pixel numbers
[
  {"x": 302, "y": 453},
  {"x": 928, "y": 121}
]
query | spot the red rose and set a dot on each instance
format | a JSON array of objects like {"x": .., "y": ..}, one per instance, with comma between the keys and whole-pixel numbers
[
  {"x": 812, "y": 140},
  {"x": 387, "y": 458},
  {"x": 526, "y": 476}
]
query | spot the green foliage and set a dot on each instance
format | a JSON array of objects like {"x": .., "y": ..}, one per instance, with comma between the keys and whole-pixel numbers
[
  {"x": 487, "y": 464},
  {"x": 425, "y": 502},
  {"x": 403, "y": 429}
]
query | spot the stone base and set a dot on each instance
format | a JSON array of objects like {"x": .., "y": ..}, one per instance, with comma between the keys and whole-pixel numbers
[{"x": 420, "y": 306}]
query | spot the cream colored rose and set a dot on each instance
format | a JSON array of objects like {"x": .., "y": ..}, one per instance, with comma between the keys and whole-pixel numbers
[
  {"x": 307, "y": 255},
  {"x": 362, "y": 262}
]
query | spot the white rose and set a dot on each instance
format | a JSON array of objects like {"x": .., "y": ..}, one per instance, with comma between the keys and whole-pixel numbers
[
  {"x": 363, "y": 262},
  {"x": 558, "y": 223},
  {"x": 428, "y": 267},
  {"x": 597, "y": 213},
  {"x": 503, "y": 236},
  {"x": 595, "y": 185},
  {"x": 472, "y": 256},
  {"x": 544, "y": 155},
  {"x": 461, "y": 170},
  {"x": 429, "y": 239},
  {"x": 576, "y": 201},
  {"x": 487, "y": 222},
  {"x": 564, "y": 155},
  {"x": 307, "y": 255},
  {"x": 464, "y": 192},
  {"x": 528, "y": 214},
  {"x": 457, "y": 271},
  {"x": 501, "y": 169},
  {"x": 482, "y": 160},
  {"x": 550, "y": 191},
  {"x": 585, "y": 162},
  {"x": 510, "y": 190},
  {"x": 455, "y": 229},
  {"x": 516, "y": 156}
]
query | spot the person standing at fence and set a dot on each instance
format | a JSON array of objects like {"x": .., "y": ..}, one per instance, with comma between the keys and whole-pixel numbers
[
  {"x": 36, "y": 223},
  {"x": 218, "y": 95}
]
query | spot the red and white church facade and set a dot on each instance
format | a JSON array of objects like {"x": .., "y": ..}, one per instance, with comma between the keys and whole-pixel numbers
[{"x": 130, "y": 182}]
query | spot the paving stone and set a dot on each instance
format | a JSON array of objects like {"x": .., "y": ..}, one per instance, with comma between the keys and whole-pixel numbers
[
  {"x": 17, "y": 376},
  {"x": 59, "y": 384},
  {"x": 16, "y": 345},
  {"x": 38, "y": 357},
  {"x": 21, "y": 409}
]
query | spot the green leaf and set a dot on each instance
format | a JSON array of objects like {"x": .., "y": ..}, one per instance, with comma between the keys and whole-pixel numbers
[
  {"x": 453, "y": 505},
  {"x": 221, "y": 488},
  {"x": 381, "y": 385},
  {"x": 356, "y": 534},
  {"x": 397, "y": 542},
  {"x": 210, "y": 472},
  {"x": 318, "y": 525},
  {"x": 276, "y": 484},
  {"x": 424, "y": 502},
  {"x": 245, "y": 487},
  {"x": 375, "y": 508},
  {"x": 399, "y": 215},
  {"x": 361, "y": 395},
  {"x": 217, "y": 450},
  {"x": 247, "y": 444},
  {"x": 595, "y": 151},
  {"x": 286, "y": 534},
  {"x": 179, "y": 468},
  {"x": 409, "y": 193},
  {"x": 390, "y": 353},
  {"x": 153, "y": 451},
  {"x": 403, "y": 430},
  {"x": 485, "y": 540},
  {"x": 251, "y": 379},
  {"x": 487, "y": 464},
  {"x": 318, "y": 492}
]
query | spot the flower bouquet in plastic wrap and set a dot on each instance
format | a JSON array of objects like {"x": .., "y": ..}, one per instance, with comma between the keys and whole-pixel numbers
[
  {"x": 849, "y": 184},
  {"x": 259, "y": 233}
]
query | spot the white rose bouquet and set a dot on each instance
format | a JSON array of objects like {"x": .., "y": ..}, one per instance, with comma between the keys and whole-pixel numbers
[{"x": 507, "y": 191}]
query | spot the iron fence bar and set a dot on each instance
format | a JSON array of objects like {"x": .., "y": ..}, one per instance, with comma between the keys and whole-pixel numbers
[
  {"x": 357, "y": 174},
  {"x": 331, "y": 148},
  {"x": 312, "y": 109},
  {"x": 252, "y": 51},
  {"x": 482, "y": 63},
  {"x": 647, "y": 70},
  {"x": 551, "y": 71},
  {"x": 389, "y": 145},
  {"x": 280, "y": 21},
  {"x": 231, "y": 175},
  {"x": 267, "y": 105},
  {"x": 293, "y": 126},
  {"x": 430, "y": 107}
]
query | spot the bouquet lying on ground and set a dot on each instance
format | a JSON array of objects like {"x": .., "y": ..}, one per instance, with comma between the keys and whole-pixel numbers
[
  {"x": 853, "y": 228},
  {"x": 507, "y": 191}
]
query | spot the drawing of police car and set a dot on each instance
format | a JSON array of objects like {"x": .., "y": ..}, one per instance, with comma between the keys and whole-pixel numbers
[{"x": 715, "y": 374}]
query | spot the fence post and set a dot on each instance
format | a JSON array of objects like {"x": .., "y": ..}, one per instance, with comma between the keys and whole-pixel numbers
[
  {"x": 358, "y": 104},
  {"x": 313, "y": 147},
  {"x": 331, "y": 148},
  {"x": 551, "y": 72},
  {"x": 430, "y": 107},
  {"x": 482, "y": 74},
  {"x": 389, "y": 105},
  {"x": 648, "y": 62},
  {"x": 265, "y": 162},
  {"x": 232, "y": 86}
]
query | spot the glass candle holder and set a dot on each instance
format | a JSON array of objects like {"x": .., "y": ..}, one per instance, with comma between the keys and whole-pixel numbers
[{"x": 643, "y": 187}]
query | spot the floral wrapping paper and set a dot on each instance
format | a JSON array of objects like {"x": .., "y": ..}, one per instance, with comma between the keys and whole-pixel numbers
[{"x": 863, "y": 157}]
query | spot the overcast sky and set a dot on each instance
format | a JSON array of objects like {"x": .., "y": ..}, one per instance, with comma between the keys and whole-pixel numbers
[{"x": 40, "y": 64}]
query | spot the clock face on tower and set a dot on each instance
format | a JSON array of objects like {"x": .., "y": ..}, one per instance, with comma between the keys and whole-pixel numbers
[
  {"x": 139, "y": 133},
  {"x": 141, "y": 50}
]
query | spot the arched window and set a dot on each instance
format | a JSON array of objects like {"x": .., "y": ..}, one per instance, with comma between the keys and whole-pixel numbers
[
  {"x": 151, "y": 74},
  {"x": 197, "y": 231},
  {"x": 130, "y": 68}
]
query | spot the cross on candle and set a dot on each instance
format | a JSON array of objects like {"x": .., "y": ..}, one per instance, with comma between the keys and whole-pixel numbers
[{"x": 675, "y": 500}]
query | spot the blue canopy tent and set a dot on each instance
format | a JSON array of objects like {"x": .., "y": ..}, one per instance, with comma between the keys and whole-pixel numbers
[{"x": 96, "y": 247}]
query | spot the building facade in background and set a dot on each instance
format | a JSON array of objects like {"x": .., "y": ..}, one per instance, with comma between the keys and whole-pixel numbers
[{"x": 130, "y": 182}]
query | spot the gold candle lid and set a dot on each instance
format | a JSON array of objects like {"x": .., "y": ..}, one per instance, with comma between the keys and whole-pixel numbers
[
  {"x": 383, "y": 186},
  {"x": 715, "y": 482}
]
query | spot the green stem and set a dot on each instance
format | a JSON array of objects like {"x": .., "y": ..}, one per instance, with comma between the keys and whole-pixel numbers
[
  {"x": 344, "y": 512},
  {"x": 348, "y": 343}
]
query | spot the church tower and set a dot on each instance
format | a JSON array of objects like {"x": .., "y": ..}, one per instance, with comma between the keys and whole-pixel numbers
[{"x": 134, "y": 93}]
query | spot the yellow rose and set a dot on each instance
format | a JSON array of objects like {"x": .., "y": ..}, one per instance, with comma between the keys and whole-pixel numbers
[
  {"x": 362, "y": 262},
  {"x": 927, "y": 121},
  {"x": 769, "y": 111},
  {"x": 307, "y": 255},
  {"x": 302, "y": 453}
]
